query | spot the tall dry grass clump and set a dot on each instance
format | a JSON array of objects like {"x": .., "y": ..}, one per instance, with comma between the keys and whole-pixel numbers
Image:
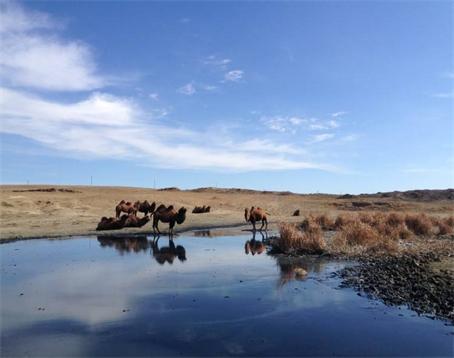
[
  {"x": 419, "y": 224},
  {"x": 309, "y": 240},
  {"x": 363, "y": 237},
  {"x": 325, "y": 222},
  {"x": 443, "y": 226},
  {"x": 343, "y": 220}
]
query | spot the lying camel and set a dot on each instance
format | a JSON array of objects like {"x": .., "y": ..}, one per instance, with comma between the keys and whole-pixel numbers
[
  {"x": 254, "y": 215},
  {"x": 126, "y": 207},
  {"x": 201, "y": 209},
  {"x": 168, "y": 253},
  {"x": 133, "y": 221},
  {"x": 111, "y": 223},
  {"x": 168, "y": 215}
]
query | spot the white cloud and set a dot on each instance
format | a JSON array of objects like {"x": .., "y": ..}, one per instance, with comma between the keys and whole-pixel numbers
[
  {"x": 33, "y": 59},
  {"x": 338, "y": 114},
  {"x": 154, "y": 96},
  {"x": 217, "y": 62},
  {"x": 322, "y": 137},
  {"x": 234, "y": 75},
  {"x": 290, "y": 124},
  {"x": 188, "y": 89},
  {"x": 104, "y": 126}
]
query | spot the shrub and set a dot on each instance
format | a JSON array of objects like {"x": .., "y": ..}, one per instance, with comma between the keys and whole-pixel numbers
[
  {"x": 419, "y": 224},
  {"x": 308, "y": 241}
]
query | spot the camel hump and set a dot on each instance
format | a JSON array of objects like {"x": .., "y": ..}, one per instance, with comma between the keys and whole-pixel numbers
[{"x": 122, "y": 202}]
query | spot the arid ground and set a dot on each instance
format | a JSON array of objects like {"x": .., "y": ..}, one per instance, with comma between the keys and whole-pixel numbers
[{"x": 76, "y": 210}]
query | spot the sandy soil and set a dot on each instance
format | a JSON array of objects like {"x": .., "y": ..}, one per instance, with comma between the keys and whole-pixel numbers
[{"x": 27, "y": 214}]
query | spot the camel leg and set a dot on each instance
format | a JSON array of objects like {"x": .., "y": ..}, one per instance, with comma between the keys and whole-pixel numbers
[
  {"x": 253, "y": 226},
  {"x": 155, "y": 225},
  {"x": 261, "y": 227},
  {"x": 266, "y": 224},
  {"x": 171, "y": 225}
]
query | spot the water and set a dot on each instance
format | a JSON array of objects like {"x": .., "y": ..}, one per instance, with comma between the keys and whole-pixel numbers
[{"x": 90, "y": 296}]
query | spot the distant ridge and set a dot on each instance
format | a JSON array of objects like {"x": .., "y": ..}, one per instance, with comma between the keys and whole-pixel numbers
[{"x": 420, "y": 195}]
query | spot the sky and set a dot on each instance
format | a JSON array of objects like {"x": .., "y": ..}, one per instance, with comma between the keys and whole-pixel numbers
[{"x": 306, "y": 96}]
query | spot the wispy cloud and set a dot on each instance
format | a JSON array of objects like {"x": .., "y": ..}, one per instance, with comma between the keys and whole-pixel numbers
[
  {"x": 154, "y": 96},
  {"x": 188, "y": 89},
  {"x": 33, "y": 58},
  {"x": 104, "y": 126},
  {"x": 338, "y": 114},
  {"x": 290, "y": 124},
  {"x": 100, "y": 125},
  {"x": 321, "y": 137},
  {"x": 234, "y": 75},
  {"x": 443, "y": 95},
  {"x": 213, "y": 60}
]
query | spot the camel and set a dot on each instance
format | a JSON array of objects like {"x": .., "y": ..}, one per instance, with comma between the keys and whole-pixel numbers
[
  {"x": 133, "y": 221},
  {"x": 145, "y": 207},
  {"x": 201, "y": 209},
  {"x": 254, "y": 215},
  {"x": 125, "y": 206},
  {"x": 168, "y": 253},
  {"x": 296, "y": 212},
  {"x": 168, "y": 215},
  {"x": 111, "y": 223}
]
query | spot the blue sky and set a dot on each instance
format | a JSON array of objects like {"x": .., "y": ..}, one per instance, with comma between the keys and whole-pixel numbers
[{"x": 332, "y": 96}]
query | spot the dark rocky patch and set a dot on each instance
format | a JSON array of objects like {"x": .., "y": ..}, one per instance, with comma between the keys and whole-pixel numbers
[
  {"x": 47, "y": 190},
  {"x": 404, "y": 280}
]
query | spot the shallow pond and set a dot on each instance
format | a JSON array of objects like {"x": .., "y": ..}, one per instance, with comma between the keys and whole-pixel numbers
[{"x": 201, "y": 295}]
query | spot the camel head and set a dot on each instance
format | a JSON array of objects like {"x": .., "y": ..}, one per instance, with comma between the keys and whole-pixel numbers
[
  {"x": 181, "y": 215},
  {"x": 246, "y": 216},
  {"x": 181, "y": 253}
]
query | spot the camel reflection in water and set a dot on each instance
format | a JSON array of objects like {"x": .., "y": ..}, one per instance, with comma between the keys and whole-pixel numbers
[
  {"x": 125, "y": 244},
  {"x": 290, "y": 268},
  {"x": 137, "y": 244},
  {"x": 255, "y": 247},
  {"x": 167, "y": 253}
]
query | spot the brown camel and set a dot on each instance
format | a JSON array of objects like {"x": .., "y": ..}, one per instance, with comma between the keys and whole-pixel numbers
[
  {"x": 111, "y": 223},
  {"x": 126, "y": 207},
  {"x": 168, "y": 215},
  {"x": 168, "y": 253},
  {"x": 145, "y": 207},
  {"x": 254, "y": 215},
  {"x": 134, "y": 221}
]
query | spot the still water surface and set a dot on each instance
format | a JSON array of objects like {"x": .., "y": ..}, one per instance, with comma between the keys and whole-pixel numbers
[{"x": 200, "y": 295}]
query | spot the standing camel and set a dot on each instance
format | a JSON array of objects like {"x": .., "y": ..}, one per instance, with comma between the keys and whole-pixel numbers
[
  {"x": 168, "y": 215},
  {"x": 254, "y": 215}
]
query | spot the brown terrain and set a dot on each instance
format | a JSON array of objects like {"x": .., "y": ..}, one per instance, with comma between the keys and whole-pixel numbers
[{"x": 29, "y": 211}]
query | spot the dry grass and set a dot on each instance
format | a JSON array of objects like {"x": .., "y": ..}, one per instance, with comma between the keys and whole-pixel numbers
[
  {"x": 419, "y": 224},
  {"x": 359, "y": 235},
  {"x": 310, "y": 240},
  {"x": 325, "y": 222}
]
